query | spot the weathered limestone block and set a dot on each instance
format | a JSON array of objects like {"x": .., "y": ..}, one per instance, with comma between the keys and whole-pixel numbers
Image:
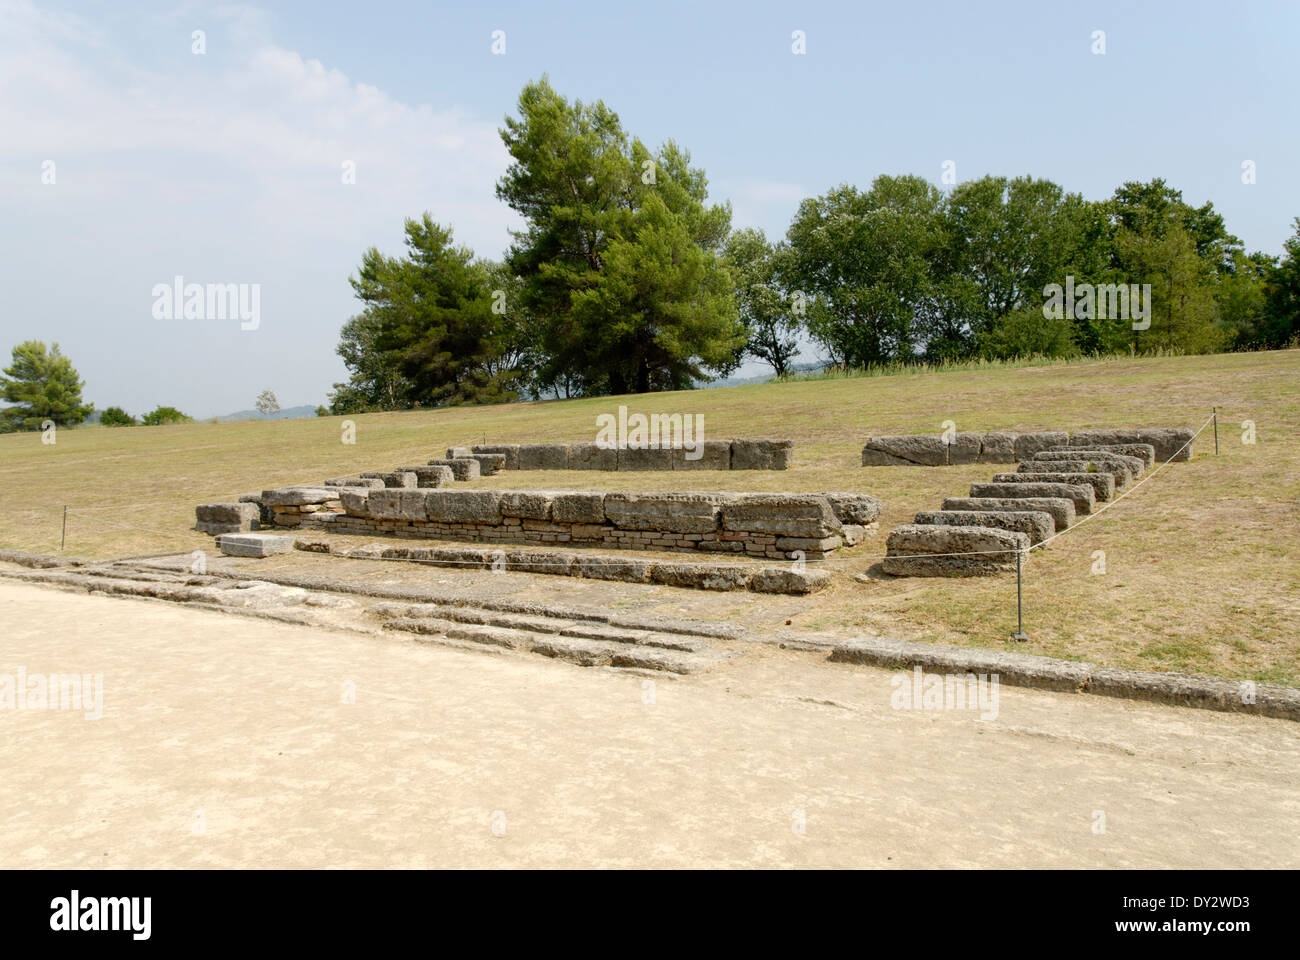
[
  {"x": 965, "y": 448},
  {"x": 1135, "y": 465},
  {"x": 265, "y": 515},
  {"x": 253, "y": 544},
  {"x": 299, "y": 496},
  {"x": 511, "y": 450},
  {"x": 459, "y": 453},
  {"x": 1081, "y": 495},
  {"x": 356, "y": 502},
  {"x": 1060, "y": 509},
  {"x": 1142, "y": 451},
  {"x": 998, "y": 447},
  {"x": 812, "y": 546},
  {"x": 604, "y": 567},
  {"x": 785, "y": 514},
  {"x": 527, "y": 504},
  {"x": 854, "y": 533},
  {"x": 925, "y": 550},
  {"x": 1036, "y": 524},
  {"x": 591, "y": 456},
  {"x": 1103, "y": 484},
  {"x": 368, "y": 480},
  {"x": 702, "y": 576},
  {"x": 466, "y": 469},
  {"x": 854, "y": 508},
  {"x": 488, "y": 463},
  {"x": 760, "y": 453},
  {"x": 925, "y": 450},
  {"x": 393, "y": 503},
  {"x": 583, "y": 508},
  {"x": 463, "y": 506},
  {"x": 1122, "y": 472},
  {"x": 674, "y": 512},
  {"x": 1028, "y": 444},
  {"x": 430, "y": 477},
  {"x": 650, "y": 458},
  {"x": 789, "y": 580},
  {"x": 541, "y": 456},
  {"x": 465, "y": 558},
  {"x": 217, "y": 518},
  {"x": 706, "y": 454},
  {"x": 400, "y": 479},
  {"x": 1170, "y": 443},
  {"x": 558, "y": 562}
]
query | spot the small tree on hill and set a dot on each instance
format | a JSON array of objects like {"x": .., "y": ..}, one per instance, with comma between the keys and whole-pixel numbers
[
  {"x": 42, "y": 385},
  {"x": 266, "y": 402},
  {"x": 117, "y": 417},
  {"x": 161, "y": 415}
]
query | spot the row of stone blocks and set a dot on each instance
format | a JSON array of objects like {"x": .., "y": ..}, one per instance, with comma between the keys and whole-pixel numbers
[
  {"x": 929, "y": 450},
  {"x": 984, "y": 533},
  {"x": 773, "y": 525},
  {"x": 739, "y": 454}
]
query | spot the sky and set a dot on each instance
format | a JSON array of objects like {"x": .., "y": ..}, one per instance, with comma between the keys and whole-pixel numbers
[{"x": 128, "y": 159}]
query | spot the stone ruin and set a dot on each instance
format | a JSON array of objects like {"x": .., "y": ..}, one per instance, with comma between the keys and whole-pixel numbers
[
  {"x": 739, "y": 454},
  {"x": 932, "y": 450}
]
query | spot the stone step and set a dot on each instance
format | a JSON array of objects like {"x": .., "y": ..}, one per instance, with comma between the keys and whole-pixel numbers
[
  {"x": 1103, "y": 484},
  {"x": 1036, "y": 524},
  {"x": 1081, "y": 496},
  {"x": 1121, "y": 472},
  {"x": 928, "y": 550},
  {"x": 1060, "y": 509}
]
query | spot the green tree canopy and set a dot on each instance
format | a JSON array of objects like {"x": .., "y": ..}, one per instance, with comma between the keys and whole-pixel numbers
[{"x": 41, "y": 385}]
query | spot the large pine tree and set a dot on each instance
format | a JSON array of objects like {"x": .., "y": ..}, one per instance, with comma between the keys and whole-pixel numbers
[{"x": 42, "y": 385}]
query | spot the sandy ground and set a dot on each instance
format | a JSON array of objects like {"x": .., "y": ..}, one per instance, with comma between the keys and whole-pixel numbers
[{"x": 227, "y": 741}]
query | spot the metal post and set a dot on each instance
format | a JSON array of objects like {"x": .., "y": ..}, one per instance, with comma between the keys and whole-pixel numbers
[
  {"x": 1020, "y": 618},
  {"x": 64, "y": 539},
  {"x": 1216, "y": 431}
]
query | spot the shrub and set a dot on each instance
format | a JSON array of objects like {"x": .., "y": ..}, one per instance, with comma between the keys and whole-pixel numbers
[
  {"x": 160, "y": 415},
  {"x": 117, "y": 417}
]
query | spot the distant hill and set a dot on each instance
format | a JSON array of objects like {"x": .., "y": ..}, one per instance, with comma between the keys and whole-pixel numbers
[{"x": 288, "y": 413}]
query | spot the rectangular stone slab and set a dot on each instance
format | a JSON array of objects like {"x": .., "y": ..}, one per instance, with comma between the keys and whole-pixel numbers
[
  {"x": 591, "y": 456},
  {"x": 1122, "y": 472},
  {"x": 925, "y": 450},
  {"x": 542, "y": 456},
  {"x": 1170, "y": 443},
  {"x": 1036, "y": 524},
  {"x": 1103, "y": 484},
  {"x": 1136, "y": 465},
  {"x": 466, "y": 469},
  {"x": 253, "y": 544},
  {"x": 1060, "y": 509},
  {"x": 673, "y": 512},
  {"x": 511, "y": 450},
  {"x": 760, "y": 453},
  {"x": 709, "y": 455},
  {"x": 1028, "y": 444},
  {"x": 784, "y": 514},
  {"x": 1080, "y": 495},
  {"x": 926, "y": 550}
]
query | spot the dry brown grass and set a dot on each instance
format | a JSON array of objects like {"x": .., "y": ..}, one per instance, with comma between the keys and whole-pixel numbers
[{"x": 1201, "y": 573}]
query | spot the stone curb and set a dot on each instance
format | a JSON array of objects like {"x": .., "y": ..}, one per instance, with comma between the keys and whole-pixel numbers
[{"x": 1068, "y": 676}]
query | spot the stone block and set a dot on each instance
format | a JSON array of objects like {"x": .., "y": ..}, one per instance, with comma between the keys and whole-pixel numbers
[
  {"x": 784, "y": 514},
  {"x": 463, "y": 506},
  {"x": 673, "y": 512},
  {"x": 604, "y": 567},
  {"x": 854, "y": 508},
  {"x": 397, "y": 479},
  {"x": 582, "y": 508},
  {"x": 931, "y": 550},
  {"x": 924, "y": 450},
  {"x": 702, "y": 576},
  {"x": 1060, "y": 509},
  {"x": 705, "y": 455},
  {"x": 1103, "y": 484},
  {"x": 298, "y": 496},
  {"x": 1136, "y": 465},
  {"x": 650, "y": 458},
  {"x": 1122, "y": 472},
  {"x": 1142, "y": 451},
  {"x": 1080, "y": 495},
  {"x": 998, "y": 447},
  {"x": 488, "y": 463},
  {"x": 527, "y": 504},
  {"x": 789, "y": 580},
  {"x": 253, "y": 544},
  {"x": 558, "y": 562},
  {"x": 466, "y": 469},
  {"x": 1170, "y": 443},
  {"x": 590, "y": 456},
  {"x": 511, "y": 451},
  {"x": 430, "y": 477},
  {"x": 1028, "y": 444},
  {"x": 543, "y": 456},
  {"x": 965, "y": 448},
  {"x": 1036, "y": 524},
  {"x": 393, "y": 503},
  {"x": 761, "y": 453}
]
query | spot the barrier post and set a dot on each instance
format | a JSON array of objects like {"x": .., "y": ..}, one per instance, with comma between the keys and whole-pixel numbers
[
  {"x": 64, "y": 538},
  {"x": 1216, "y": 431},
  {"x": 1020, "y": 617}
]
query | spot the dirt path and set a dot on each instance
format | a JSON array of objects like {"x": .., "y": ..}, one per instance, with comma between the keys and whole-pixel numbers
[{"x": 225, "y": 741}]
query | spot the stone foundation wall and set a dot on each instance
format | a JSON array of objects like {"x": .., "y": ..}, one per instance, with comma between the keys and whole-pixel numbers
[
  {"x": 739, "y": 454},
  {"x": 779, "y": 526},
  {"x": 931, "y": 450}
]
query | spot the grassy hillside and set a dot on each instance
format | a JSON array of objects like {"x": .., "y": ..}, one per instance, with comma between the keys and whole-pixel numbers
[{"x": 1202, "y": 567}]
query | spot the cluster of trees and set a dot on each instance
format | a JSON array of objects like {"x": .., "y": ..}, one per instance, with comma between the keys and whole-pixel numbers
[
  {"x": 626, "y": 279},
  {"x": 40, "y": 384}
]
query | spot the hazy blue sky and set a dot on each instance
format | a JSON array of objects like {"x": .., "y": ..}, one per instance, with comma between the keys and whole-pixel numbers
[{"x": 225, "y": 167}]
